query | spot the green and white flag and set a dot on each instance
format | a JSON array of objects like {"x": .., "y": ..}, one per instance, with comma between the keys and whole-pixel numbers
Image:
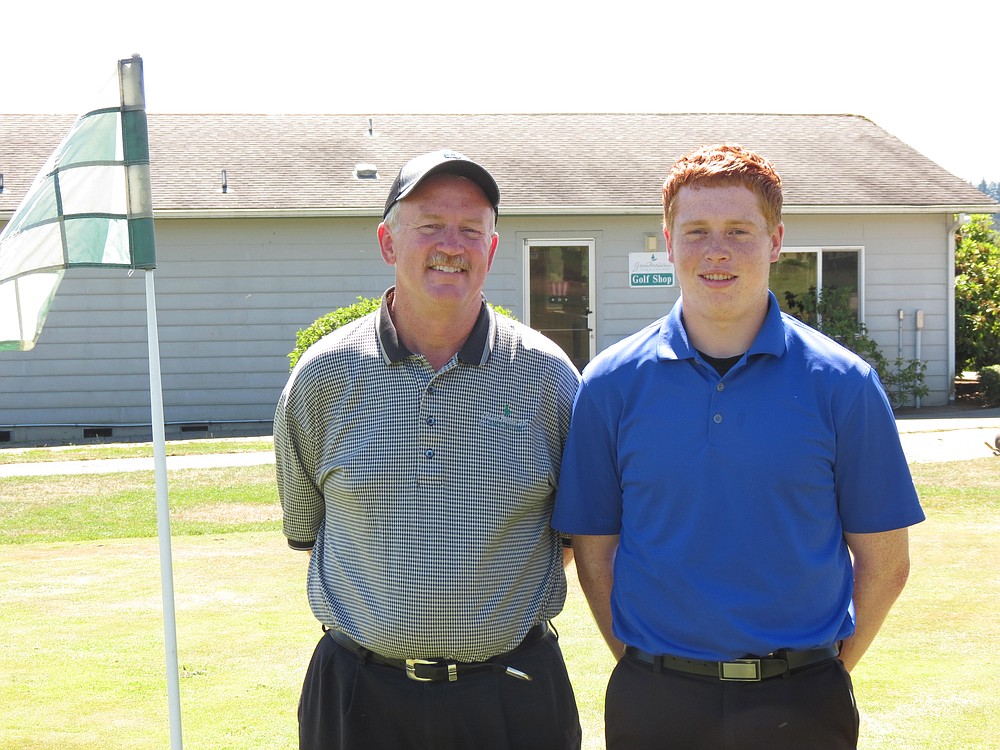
[{"x": 89, "y": 207}]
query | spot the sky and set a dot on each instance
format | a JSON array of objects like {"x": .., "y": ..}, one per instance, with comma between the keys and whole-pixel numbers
[{"x": 929, "y": 77}]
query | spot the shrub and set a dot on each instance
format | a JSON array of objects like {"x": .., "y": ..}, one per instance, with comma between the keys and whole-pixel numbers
[
  {"x": 330, "y": 322},
  {"x": 977, "y": 294},
  {"x": 989, "y": 381},
  {"x": 831, "y": 314}
]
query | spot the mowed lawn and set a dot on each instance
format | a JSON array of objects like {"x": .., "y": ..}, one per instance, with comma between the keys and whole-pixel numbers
[{"x": 82, "y": 657}]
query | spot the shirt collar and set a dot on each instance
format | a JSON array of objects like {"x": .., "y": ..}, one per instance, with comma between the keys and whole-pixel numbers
[
  {"x": 475, "y": 351},
  {"x": 675, "y": 344}
]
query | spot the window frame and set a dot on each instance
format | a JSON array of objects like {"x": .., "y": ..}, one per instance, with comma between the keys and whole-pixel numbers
[{"x": 818, "y": 250}]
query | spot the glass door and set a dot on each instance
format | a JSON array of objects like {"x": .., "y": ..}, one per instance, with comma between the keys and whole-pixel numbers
[{"x": 560, "y": 294}]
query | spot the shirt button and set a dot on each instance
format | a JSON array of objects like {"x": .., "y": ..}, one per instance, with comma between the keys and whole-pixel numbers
[
  {"x": 720, "y": 387},
  {"x": 429, "y": 453},
  {"x": 717, "y": 419},
  {"x": 430, "y": 421}
]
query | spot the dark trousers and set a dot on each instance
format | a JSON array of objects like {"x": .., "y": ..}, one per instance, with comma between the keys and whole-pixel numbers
[
  {"x": 351, "y": 704},
  {"x": 810, "y": 709}
]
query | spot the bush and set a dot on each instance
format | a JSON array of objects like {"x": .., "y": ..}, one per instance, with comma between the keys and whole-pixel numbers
[
  {"x": 831, "y": 314},
  {"x": 330, "y": 322},
  {"x": 977, "y": 294},
  {"x": 989, "y": 381}
]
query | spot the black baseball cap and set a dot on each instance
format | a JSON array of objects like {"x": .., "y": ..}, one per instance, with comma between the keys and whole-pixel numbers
[{"x": 441, "y": 162}]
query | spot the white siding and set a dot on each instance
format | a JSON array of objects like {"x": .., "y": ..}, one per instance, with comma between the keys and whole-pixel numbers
[
  {"x": 905, "y": 264},
  {"x": 231, "y": 295}
]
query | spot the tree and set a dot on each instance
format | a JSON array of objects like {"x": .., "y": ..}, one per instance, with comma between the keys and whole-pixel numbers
[
  {"x": 991, "y": 189},
  {"x": 977, "y": 294}
]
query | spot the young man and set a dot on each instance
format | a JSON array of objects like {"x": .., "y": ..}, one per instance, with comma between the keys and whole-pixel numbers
[
  {"x": 723, "y": 466},
  {"x": 417, "y": 455}
]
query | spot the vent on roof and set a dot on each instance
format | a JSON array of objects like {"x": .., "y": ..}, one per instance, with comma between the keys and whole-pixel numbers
[
  {"x": 1, "y": 182},
  {"x": 366, "y": 171},
  {"x": 225, "y": 182},
  {"x": 371, "y": 127}
]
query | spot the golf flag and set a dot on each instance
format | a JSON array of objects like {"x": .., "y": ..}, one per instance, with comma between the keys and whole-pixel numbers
[{"x": 89, "y": 206}]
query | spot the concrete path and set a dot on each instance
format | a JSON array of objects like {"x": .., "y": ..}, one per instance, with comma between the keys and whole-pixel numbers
[
  {"x": 949, "y": 436},
  {"x": 937, "y": 435},
  {"x": 115, "y": 465}
]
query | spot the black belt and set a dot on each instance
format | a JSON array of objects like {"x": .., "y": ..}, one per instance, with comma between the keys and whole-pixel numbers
[
  {"x": 740, "y": 670},
  {"x": 443, "y": 670}
]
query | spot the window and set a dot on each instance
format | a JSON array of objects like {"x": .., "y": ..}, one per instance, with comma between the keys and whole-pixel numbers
[{"x": 800, "y": 269}]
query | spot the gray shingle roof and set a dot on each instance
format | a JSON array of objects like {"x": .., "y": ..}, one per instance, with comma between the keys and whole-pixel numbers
[{"x": 544, "y": 163}]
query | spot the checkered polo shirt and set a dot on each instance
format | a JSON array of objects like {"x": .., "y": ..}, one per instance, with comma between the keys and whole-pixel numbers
[{"x": 426, "y": 496}]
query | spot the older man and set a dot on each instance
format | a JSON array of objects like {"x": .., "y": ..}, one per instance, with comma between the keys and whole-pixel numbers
[{"x": 418, "y": 451}]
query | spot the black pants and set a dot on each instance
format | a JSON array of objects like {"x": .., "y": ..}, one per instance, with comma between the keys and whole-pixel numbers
[
  {"x": 350, "y": 704},
  {"x": 812, "y": 709}
]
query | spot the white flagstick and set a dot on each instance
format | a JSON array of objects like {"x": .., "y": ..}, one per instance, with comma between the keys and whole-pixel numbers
[
  {"x": 163, "y": 518},
  {"x": 140, "y": 206}
]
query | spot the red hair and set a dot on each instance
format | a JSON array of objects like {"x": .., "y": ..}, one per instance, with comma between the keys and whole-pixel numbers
[{"x": 721, "y": 165}]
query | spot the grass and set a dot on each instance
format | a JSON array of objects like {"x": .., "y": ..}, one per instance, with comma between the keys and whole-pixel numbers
[
  {"x": 113, "y": 506},
  {"x": 82, "y": 646},
  {"x": 83, "y": 640},
  {"x": 929, "y": 680}
]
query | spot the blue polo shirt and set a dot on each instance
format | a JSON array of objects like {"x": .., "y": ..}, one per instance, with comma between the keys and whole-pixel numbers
[{"x": 732, "y": 494}]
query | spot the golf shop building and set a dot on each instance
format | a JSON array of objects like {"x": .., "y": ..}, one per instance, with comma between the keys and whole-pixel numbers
[{"x": 265, "y": 222}]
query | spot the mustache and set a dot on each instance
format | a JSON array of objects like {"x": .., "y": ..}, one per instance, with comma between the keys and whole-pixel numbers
[{"x": 440, "y": 259}]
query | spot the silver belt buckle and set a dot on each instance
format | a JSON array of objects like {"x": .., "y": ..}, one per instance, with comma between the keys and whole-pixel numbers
[
  {"x": 411, "y": 669},
  {"x": 740, "y": 670}
]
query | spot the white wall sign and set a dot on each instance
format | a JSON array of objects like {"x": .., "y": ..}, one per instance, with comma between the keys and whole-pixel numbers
[{"x": 650, "y": 269}]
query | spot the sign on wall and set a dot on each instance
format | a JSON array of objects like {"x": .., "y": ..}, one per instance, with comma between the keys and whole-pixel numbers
[{"x": 650, "y": 269}]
